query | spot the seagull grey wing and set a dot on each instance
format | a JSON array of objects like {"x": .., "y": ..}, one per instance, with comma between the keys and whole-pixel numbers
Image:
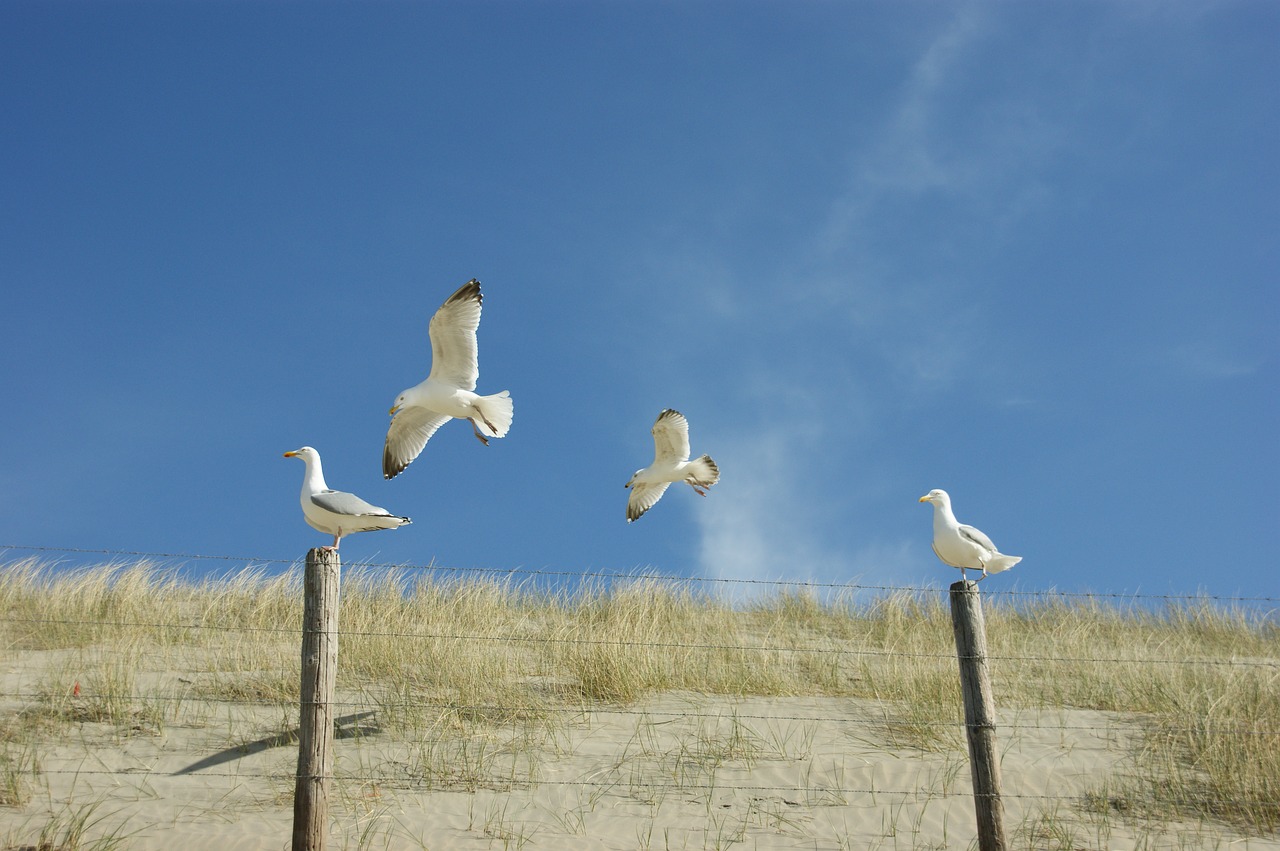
[
  {"x": 454, "y": 357},
  {"x": 410, "y": 430},
  {"x": 346, "y": 504},
  {"x": 644, "y": 497},
  {"x": 977, "y": 537},
  {"x": 670, "y": 437}
]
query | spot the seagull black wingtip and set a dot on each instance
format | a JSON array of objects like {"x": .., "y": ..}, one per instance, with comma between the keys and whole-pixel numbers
[
  {"x": 389, "y": 468},
  {"x": 470, "y": 291}
]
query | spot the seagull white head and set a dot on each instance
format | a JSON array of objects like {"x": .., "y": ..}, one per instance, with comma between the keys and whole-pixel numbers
[
  {"x": 306, "y": 453},
  {"x": 937, "y": 496},
  {"x": 407, "y": 397}
]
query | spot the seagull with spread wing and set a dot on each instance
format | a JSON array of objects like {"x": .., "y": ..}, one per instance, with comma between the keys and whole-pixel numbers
[
  {"x": 963, "y": 546},
  {"x": 449, "y": 389},
  {"x": 670, "y": 464},
  {"x": 334, "y": 512}
]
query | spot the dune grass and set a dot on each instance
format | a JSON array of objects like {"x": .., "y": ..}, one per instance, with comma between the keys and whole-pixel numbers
[{"x": 447, "y": 660}]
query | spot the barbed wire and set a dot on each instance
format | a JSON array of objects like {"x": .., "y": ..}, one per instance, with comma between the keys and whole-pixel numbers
[
  {"x": 447, "y": 783},
  {"x": 214, "y": 652},
  {"x": 523, "y": 712},
  {"x": 412, "y": 778},
  {"x": 658, "y": 645},
  {"x": 658, "y": 577}
]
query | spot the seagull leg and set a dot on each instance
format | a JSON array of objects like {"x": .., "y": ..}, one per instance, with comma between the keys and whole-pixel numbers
[
  {"x": 699, "y": 491},
  {"x": 476, "y": 429}
]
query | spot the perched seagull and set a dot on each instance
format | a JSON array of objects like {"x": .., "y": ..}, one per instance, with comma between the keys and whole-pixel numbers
[
  {"x": 334, "y": 512},
  {"x": 670, "y": 464},
  {"x": 449, "y": 388},
  {"x": 963, "y": 546}
]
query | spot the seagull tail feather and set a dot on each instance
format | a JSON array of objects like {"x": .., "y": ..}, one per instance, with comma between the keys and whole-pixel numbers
[
  {"x": 497, "y": 409},
  {"x": 1001, "y": 563},
  {"x": 703, "y": 472}
]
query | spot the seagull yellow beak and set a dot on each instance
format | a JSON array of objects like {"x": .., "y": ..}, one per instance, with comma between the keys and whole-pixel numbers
[
  {"x": 393, "y": 410},
  {"x": 291, "y": 454},
  {"x": 924, "y": 498}
]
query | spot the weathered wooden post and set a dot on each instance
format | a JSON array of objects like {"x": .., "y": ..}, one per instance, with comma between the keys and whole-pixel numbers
[
  {"x": 979, "y": 713},
  {"x": 319, "y": 678}
]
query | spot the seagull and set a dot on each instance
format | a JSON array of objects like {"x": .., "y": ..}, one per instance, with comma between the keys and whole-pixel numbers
[
  {"x": 963, "y": 546},
  {"x": 448, "y": 390},
  {"x": 334, "y": 512},
  {"x": 670, "y": 464}
]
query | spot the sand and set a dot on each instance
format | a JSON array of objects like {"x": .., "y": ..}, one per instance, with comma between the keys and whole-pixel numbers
[{"x": 677, "y": 771}]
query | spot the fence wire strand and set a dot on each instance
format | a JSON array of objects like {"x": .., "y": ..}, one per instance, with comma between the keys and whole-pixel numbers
[
  {"x": 408, "y": 782},
  {"x": 661, "y": 645},
  {"x": 515, "y": 714},
  {"x": 610, "y": 575}
]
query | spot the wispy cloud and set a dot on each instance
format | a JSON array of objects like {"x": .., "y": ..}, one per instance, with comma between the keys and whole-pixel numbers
[
  {"x": 908, "y": 154},
  {"x": 760, "y": 526},
  {"x": 769, "y": 520},
  {"x": 905, "y": 154},
  {"x": 857, "y": 300}
]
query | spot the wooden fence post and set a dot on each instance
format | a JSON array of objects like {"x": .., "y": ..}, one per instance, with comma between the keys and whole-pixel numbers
[
  {"x": 979, "y": 713},
  {"x": 315, "y": 717}
]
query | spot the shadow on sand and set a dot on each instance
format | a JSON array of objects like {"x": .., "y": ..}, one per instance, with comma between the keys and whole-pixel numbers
[{"x": 346, "y": 727}]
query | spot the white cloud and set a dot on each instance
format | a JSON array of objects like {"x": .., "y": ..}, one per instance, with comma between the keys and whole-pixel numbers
[
  {"x": 758, "y": 525},
  {"x": 907, "y": 156},
  {"x": 957, "y": 133},
  {"x": 903, "y": 156},
  {"x": 769, "y": 520},
  {"x": 860, "y": 305}
]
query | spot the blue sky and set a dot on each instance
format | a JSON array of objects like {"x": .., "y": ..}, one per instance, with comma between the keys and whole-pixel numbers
[{"x": 1025, "y": 252}]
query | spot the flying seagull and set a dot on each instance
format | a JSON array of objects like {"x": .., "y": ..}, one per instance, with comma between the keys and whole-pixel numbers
[
  {"x": 334, "y": 512},
  {"x": 963, "y": 546},
  {"x": 670, "y": 464},
  {"x": 448, "y": 390}
]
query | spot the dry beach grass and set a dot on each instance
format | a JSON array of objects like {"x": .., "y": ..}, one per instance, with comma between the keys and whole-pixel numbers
[{"x": 645, "y": 713}]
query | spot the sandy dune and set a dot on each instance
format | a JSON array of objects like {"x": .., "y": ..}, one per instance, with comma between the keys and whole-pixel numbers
[{"x": 678, "y": 771}]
